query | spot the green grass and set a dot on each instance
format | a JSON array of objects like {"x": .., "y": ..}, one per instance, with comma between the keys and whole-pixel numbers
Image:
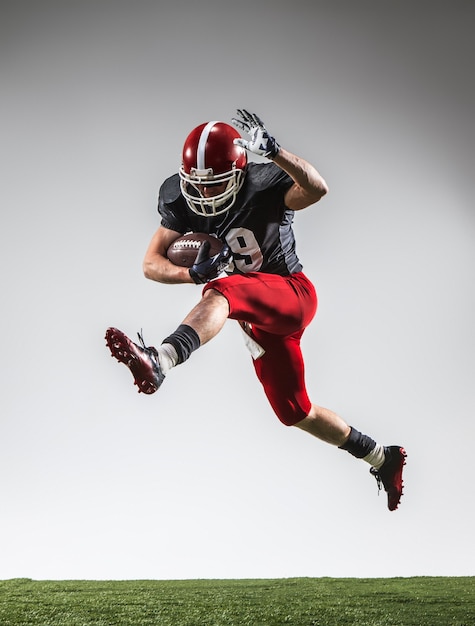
[{"x": 417, "y": 601}]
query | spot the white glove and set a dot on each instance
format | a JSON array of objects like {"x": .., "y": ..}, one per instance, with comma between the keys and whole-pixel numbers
[{"x": 260, "y": 141}]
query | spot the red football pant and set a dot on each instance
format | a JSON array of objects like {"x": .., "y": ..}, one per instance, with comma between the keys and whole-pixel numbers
[{"x": 279, "y": 308}]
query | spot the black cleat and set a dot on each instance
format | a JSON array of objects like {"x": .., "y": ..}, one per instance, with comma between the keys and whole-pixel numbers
[
  {"x": 141, "y": 360},
  {"x": 389, "y": 475}
]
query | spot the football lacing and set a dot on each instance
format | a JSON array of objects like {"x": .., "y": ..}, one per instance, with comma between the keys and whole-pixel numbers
[{"x": 187, "y": 243}]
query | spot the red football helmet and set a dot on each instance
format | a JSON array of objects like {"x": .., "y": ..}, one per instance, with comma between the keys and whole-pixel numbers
[{"x": 211, "y": 158}]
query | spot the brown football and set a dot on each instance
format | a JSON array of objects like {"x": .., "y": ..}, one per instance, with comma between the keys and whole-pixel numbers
[{"x": 183, "y": 251}]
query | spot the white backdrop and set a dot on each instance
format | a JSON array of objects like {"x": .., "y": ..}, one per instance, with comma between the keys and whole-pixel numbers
[{"x": 201, "y": 480}]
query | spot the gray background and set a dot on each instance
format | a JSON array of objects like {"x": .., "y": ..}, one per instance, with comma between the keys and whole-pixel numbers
[{"x": 201, "y": 480}]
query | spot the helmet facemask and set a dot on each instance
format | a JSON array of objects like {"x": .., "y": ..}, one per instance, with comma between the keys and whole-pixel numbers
[{"x": 213, "y": 205}]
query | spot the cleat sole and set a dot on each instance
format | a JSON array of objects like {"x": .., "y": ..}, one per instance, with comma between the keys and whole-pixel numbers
[{"x": 137, "y": 359}]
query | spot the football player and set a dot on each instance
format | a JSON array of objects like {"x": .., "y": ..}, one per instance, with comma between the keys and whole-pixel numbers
[{"x": 256, "y": 279}]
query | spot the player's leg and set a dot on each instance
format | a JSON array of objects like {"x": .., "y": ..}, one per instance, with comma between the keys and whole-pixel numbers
[
  {"x": 201, "y": 324},
  {"x": 386, "y": 462},
  {"x": 277, "y": 304},
  {"x": 271, "y": 300},
  {"x": 281, "y": 372},
  {"x": 326, "y": 425},
  {"x": 208, "y": 317},
  {"x": 331, "y": 428},
  {"x": 150, "y": 365}
]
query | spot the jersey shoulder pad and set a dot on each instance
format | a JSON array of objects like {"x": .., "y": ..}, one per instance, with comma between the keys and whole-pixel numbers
[
  {"x": 172, "y": 205},
  {"x": 170, "y": 189}
]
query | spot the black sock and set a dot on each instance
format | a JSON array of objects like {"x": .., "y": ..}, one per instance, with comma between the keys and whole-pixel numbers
[
  {"x": 358, "y": 445},
  {"x": 185, "y": 340}
]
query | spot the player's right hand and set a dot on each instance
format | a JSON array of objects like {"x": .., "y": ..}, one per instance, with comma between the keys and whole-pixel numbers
[{"x": 206, "y": 268}]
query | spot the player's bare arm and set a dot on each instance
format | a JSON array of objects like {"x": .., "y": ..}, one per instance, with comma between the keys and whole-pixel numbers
[
  {"x": 309, "y": 185},
  {"x": 156, "y": 265}
]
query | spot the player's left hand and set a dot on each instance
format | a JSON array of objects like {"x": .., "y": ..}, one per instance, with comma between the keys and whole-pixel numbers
[
  {"x": 206, "y": 268},
  {"x": 260, "y": 142}
]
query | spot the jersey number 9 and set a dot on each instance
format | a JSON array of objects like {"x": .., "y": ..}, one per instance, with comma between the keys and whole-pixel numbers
[{"x": 246, "y": 251}]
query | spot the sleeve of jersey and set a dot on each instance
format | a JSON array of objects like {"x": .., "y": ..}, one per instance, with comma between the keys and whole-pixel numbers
[
  {"x": 269, "y": 175},
  {"x": 168, "y": 205}
]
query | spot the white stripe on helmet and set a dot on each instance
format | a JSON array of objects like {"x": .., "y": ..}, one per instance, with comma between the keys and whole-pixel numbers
[{"x": 200, "y": 157}]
